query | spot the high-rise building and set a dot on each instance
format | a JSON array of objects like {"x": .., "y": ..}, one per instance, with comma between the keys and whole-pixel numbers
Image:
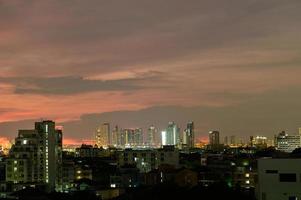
[
  {"x": 233, "y": 140},
  {"x": 152, "y": 136},
  {"x": 36, "y": 157},
  {"x": 226, "y": 142},
  {"x": 103, "y": 135},
  {"x": 131, "y": 137},
  {"x": 138, "y": 137},
  {"x": 114, "y": 137},
  {"x": 287, "y": 143},
  {"x": 172, "y": 135},
  {"x": 188, "y": 137},
  {"x": 214, "y": 138},
  {"x": 259, "y": 141}
]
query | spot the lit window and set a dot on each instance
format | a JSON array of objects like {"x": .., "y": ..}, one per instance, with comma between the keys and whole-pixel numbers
[
  {"x": 113, "y": 185},
  {"x": 247, "y": 175},
  {"x": 247, "y": 181},
  {"x": 25, "y": 141}
]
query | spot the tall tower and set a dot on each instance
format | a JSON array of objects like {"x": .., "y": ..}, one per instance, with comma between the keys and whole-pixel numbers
[
  {"x": 36, "y": 157},
  {"x": 152, "y": 136},
  {"x": 103, "y": 135},
  {"x": 172, "y": 135},
  {"x": 188, "y": 137},
  {"x": 114, "y": 137},
  {"x": 214, "y": 138}
]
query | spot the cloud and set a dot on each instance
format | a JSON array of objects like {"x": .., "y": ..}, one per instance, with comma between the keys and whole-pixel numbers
[
  {"x": 63, "y": 59},
  {"x": 74, "y": 85}
]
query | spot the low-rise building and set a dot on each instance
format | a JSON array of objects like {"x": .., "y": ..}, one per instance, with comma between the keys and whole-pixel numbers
[{"x": 278, "y": 179}]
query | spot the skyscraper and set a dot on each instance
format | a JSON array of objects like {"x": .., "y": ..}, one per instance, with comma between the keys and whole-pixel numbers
[
  {"x": 172, "y": 135},
  {"x": 214, "y": 138},
  {"x": 114, "y": 136},
  {"x": 188, "y": 137},
  {"x": 152, "y": 136},
  {"x": 103, "y": 135},
  {"x": 36, "y": 157}
]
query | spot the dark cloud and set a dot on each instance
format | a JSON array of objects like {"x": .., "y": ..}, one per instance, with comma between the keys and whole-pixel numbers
[{"x": 75, "y": 85}]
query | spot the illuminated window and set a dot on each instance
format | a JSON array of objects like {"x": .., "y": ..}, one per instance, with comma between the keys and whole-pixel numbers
[
  {"x": 247, "y": 181},
  {"x": 247, "y": 175}
]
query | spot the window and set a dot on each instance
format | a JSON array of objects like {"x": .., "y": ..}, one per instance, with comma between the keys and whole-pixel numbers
[
  {"x": 287, "y": 177},
  {"x": 271, "y": 171}
]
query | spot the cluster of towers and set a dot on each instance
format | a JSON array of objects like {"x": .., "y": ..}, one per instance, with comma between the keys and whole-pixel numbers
[{"x": 136, "y": 138}]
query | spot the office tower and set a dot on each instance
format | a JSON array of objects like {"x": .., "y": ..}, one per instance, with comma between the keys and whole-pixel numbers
[
  {"x": 188, "y": 137},
  {"x": 114, "y": 137},
  {"x": 214, "y": 138},
  {"x": 259, "y": 141},
  {"x": 226, "y": 140},
  {"x": 138, "y": 137},
  {"x": 172, "y": 135},
  {"x": 127, "y": 138},
  {"x": 232, "y": 140},
  {"x": 287, "y": 143},
  {"x": 103, "y": 135},
  {"x": 36, "y": 157},
  {"x": 152, "y": 136}
]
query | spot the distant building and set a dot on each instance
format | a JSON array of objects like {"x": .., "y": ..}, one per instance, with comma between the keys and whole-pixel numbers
[
  {"x": 103, "y": 135},
  {"x": 214, "y": 138},
  {"x": 171, "y": 136},
  {"x": 278, "y": 179},
  {"x": 287, "y": 143},
  {"x": 259, "y": 141},
  {"x": 149, "y": 159},
  {"x": 114, "y": 137},
  {"x": 188, "y": 137},
  {"x": 226, "y": 142},
  {"x": 131, "y": 138},
  {"x": 36, "y": 157},
  {"x": 152, "y": 136},
  {"x": 233, "y": 140}
]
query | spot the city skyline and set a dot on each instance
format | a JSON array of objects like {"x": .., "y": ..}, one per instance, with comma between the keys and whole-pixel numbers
[{"x": 227, "y": 66}]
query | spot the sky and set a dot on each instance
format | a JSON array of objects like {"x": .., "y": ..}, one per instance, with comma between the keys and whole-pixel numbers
[{"x": 232, "y": 65}]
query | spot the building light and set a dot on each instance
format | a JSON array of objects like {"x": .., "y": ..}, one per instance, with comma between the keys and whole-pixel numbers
[
  {"x": 247, "y": 181},
  {"x": 25, "y": 142},
  {"x": 247, "y": 175},
  {"x": 15, "y": 169},
  {"x": 79, "y": 172},
  {"x": 15, "y": 162},
  {"x": 113, "y": 185}
]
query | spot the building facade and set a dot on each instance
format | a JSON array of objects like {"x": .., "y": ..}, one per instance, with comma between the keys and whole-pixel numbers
[
  {"x": 36, "y": 157},
  {"x": 278, "y": 179},
  {"x": 171, "y": 136},
  {"x": 103, "y": 135},
  {"x": 188, "y": 135},
  {"x": 287, "y": 143}
]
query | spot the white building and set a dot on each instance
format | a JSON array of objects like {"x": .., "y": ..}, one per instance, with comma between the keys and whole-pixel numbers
[
  {"x": 171, "y": 136},
  {"x": 279, "y": 179},
  {"x": 149, "y": 159},
  {"x": 287, "y": 143}
]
